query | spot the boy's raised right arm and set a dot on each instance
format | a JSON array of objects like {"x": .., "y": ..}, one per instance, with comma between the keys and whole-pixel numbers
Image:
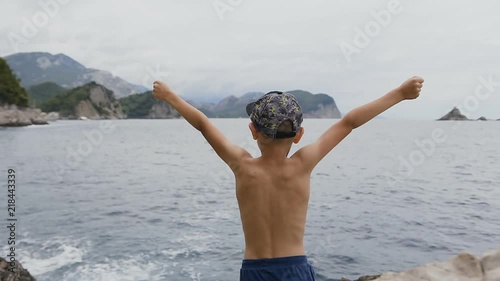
[
  {"x": 313, "y": 153},
  {"x": 227, "y": 151}
]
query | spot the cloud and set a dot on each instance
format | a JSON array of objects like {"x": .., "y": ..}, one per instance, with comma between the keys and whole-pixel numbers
[{"x": 261, "y": 45}]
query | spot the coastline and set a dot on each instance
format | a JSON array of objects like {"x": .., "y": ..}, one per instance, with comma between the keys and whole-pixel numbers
[{"x": 12, "y": 116}]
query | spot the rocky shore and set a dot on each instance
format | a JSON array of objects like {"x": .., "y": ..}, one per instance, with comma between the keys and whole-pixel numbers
[
  {"x": 12, "y": 116},
  {"x": 463, "y": 267},
  {"x": 18, "y": 273},
  {"x": 456, "y": 115}
]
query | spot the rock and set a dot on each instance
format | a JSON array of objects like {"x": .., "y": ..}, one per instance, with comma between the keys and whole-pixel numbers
[
  {"x": 364, "y": 278},
  {"x": 85, "y": 109},
  {"x": 52, "y": 116},
  {"x": 111, "y": 107},
  {"x": 368, "y": 277},
  {"x": 91, "y": 101},
  {"x": 11, "y": 116},
  {"x": 18, "y": 273},
  {"x": 324, "y": 111},
  {"x": 454, "y": 114},
  {"x": 490, "y": 262},
  {"x": 162, "y": 111},
  {"x": 36, "y": 116},
  {"x": 482, "y": 118},
  {"x": 463, "y": 267}
]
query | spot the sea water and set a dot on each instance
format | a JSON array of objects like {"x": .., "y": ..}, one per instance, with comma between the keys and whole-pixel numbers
[{"x": 150, "y": 200}]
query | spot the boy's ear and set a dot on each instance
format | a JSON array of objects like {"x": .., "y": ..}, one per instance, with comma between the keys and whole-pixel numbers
[
  {"x": 299, "y": 135},
  {"x": 255, "y": 133}
]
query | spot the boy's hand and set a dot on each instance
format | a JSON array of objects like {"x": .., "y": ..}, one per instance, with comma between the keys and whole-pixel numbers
[
  {"x": 411, "y": 88},
  {"x": 161, "y": 91}
]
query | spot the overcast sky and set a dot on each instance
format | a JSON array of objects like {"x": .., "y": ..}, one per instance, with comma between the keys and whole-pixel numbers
[{"x": 217, "y": 48}]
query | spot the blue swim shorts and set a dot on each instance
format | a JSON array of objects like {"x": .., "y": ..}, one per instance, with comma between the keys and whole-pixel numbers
[{"x": 294, "y": 268}]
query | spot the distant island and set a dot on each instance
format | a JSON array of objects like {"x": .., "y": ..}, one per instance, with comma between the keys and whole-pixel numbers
[
  {"x": 456, "y": 115},
  {"x": 40, "y": 87},
  {"x": 313, "y": 105}
]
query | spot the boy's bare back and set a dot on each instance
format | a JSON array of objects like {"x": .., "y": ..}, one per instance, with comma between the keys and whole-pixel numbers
[{"x": 273, "y": 196}]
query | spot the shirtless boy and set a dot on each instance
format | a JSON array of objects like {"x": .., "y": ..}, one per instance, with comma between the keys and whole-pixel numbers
[{"x": 273, "y": 189}]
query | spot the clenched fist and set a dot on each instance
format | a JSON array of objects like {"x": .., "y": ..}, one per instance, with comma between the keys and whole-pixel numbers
[
  {"x": 161, "y": 91},
  {"x": 411, "y": 88}
]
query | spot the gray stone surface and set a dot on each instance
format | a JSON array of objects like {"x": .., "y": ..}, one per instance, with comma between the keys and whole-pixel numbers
[
  {"x": 11, "y": 116},
  {"x": 454, "y": 114},
  {"x": 463, "y": 267},
  {"x": 16, "y": 273}
]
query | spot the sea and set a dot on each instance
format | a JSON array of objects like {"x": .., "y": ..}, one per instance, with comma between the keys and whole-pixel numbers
[{"x": 150, "y": 200}]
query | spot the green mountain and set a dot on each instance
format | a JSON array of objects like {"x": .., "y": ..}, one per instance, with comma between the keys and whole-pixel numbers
[
  {"x": 313, "y": 105},
  {"x": 92, "y": 101},
  {"x": 43, "y": 92},
  {"x": 145, "y": 106},
  {"x": 11, "y": 91},
  {"x": 310, "y": 102},
  {"x": 35, "y": 68}
]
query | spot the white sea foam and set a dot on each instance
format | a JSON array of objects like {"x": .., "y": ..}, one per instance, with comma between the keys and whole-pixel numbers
[
  {"x": 116, "y": 270},
  {"x": 67, "y": 256},
  {"x": 39, "y": 260},
  {"x": 133, "y": 269},
  {"x": 44, "y": 259}
]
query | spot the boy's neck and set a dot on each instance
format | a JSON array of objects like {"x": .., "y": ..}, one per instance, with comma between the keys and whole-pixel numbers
[{"x": 275, "y": 152}]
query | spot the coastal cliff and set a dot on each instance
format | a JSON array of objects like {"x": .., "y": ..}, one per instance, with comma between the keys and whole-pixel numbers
[
  {"x": 145, "y": 106},
  {"x": 91, "y": 101},
  {"x": 313, "y": 105}
]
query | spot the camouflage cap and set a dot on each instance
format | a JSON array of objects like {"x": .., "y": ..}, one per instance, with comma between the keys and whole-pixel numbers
[{"x": 272, "y": 109}]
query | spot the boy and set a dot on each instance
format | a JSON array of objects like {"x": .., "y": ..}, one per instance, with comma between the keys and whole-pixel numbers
[{"x": 273, "y": 189}]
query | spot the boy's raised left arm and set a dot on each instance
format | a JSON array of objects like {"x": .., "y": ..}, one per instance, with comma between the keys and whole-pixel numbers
[
  {"x": 313, "y": 153},
  {"x": 227, "y": 151}
]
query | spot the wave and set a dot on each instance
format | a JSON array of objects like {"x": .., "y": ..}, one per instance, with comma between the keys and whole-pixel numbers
[{"x": 68, "y": 259}]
